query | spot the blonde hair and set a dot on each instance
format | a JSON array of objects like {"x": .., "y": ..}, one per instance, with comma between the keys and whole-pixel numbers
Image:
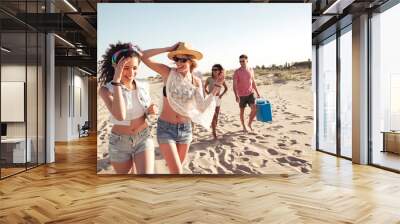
[{"x": 193, "y": 65}]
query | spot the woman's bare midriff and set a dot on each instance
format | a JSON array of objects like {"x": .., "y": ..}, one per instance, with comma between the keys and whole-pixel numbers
[
  {"x": 169, "y": 115},
  {"x": 135, "y": 127}
]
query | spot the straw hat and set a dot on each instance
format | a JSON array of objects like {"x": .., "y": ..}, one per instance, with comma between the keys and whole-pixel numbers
[{"x": 185, "y": 48}]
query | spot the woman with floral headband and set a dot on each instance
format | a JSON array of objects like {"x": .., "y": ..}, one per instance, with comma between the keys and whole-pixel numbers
[
  {"x": 183, "y": 102},
  {"x": 130, "y": 144}
]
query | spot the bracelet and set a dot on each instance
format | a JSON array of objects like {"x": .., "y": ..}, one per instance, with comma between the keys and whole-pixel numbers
[{"x": 116, "y": 83}]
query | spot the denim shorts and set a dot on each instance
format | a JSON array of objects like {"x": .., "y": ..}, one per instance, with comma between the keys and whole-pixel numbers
[
  {"x": 123, "y": 148},
  {"x": 174, "y": 133}
]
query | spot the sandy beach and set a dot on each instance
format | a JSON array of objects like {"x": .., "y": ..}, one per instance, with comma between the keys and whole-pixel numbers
[{"x": 280, "y": 147}]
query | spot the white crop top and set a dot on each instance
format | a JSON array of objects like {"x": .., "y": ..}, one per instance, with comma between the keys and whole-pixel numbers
[{"x": 134, "y": 109}]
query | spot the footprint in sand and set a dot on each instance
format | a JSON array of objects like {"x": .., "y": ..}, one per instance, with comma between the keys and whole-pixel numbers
[
  {"x": 282, "y": 145},
  {"x": 308, "y": 117},
  {"x": 277, "y": 127},
  {"x": 252, "y": 140},
  {"x": 282, "y": 160},
  {"x": 244, "y": 169},
  {"x": 251, "y": 153},
  {"x": 236, "y": 125},
  {"x": 202, "y": 154},
  {"x": 298, "y": 152},
  {"x": 264, "y": 163},
  {"x": 272, "y": 152},
  {"x": 267, "y": 136},
  {"x": 245, "y": 159},
  {"x": 305, "y": 170},
  {"x": 307, "y": 144},
  {"x": 293, "y": 142},
  {"x": 300, "y": 122},
  {"x": 295, "y": 159},
  {"x": 297, "y": 132},
  {"x": 264, "y": 142}
]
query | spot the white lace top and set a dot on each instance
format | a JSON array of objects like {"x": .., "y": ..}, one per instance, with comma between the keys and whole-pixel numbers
[{"x": 188, "y": 100}]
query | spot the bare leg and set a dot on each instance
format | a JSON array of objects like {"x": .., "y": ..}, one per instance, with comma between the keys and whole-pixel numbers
[
  {"x": 171, "y": 156},
  {"x": 182, "y": 151},
  {"x": 122, "y": 168},
  {"x": 144, "y": 162},
  {"x": 214, "y": 122},
  {"x": 253, "y": 114},
  {"x": 242, "y": 118}
]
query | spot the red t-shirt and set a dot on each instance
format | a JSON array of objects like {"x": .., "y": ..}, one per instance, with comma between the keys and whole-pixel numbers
[{"x": 243, "y": 80}]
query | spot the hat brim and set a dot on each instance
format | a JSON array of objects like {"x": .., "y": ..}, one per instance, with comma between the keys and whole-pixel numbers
[{"x": 196, "y": 55}]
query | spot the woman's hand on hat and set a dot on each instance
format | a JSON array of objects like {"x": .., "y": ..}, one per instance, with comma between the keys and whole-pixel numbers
[
  {"x": 118, "y": 68},
  {"x": 174, "y": 47}
]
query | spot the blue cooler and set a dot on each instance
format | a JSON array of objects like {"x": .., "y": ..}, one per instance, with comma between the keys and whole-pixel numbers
[{"x": 264, "y": 111}]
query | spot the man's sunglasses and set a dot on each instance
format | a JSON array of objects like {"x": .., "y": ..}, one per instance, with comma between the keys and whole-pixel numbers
[
  {"x": 182, "y": 60},
  {"x": 242, "y": 61}
]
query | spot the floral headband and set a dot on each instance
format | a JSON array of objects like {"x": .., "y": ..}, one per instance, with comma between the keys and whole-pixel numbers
[{"x": 131, "y": 47}]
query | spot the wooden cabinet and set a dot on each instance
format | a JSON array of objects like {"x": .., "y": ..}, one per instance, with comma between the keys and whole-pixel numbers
[{"x": 391, "y": 142}]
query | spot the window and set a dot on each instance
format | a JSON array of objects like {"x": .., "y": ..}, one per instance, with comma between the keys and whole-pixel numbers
[
  {"x": 327, "y": 96},
  {"x": 346, "y": 93},
  {"x": 385, "y": 88}
]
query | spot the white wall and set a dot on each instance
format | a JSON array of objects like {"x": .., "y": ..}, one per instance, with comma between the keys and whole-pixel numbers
[{"x": 70, "y": 83}]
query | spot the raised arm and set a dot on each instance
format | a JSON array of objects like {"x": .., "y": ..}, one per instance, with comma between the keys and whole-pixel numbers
[
  {"x": 115, "y": 101},
  {"x": 160, "y": 68}
]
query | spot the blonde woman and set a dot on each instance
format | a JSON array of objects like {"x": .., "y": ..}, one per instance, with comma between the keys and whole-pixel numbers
[{"x": 183, "y": 102}]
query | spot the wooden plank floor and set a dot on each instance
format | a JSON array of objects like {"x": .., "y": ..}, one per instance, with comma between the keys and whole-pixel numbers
[{"x": 69, "y": 191}]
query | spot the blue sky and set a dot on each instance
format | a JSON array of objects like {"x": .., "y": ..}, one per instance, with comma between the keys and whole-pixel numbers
[{"x": 267, "y": 33}]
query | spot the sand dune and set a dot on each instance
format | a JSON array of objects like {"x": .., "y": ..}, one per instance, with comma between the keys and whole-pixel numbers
[{"x": 280, "y": 147}]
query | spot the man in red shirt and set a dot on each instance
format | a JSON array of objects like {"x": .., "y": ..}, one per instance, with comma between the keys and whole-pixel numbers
[{"x": 244, "y": 87}]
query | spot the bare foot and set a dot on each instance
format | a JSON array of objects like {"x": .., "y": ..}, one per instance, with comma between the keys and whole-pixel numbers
[
  {"x": 215, "y": 135},
  {"x": 251, "y": 128},
  {"x": 245, "y": 129},
  {"x": 250, "y": 123}
]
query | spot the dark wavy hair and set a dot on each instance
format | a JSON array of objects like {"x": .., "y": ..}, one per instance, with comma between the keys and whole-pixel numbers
[
  {"x": 217, "y": 66},
  {"x": 106, "y": 69}
]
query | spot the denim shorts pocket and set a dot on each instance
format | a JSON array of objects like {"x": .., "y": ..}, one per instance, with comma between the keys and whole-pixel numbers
[
  {"x": 113, "y": 140},
  {"x": 188, "y": 128}
]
